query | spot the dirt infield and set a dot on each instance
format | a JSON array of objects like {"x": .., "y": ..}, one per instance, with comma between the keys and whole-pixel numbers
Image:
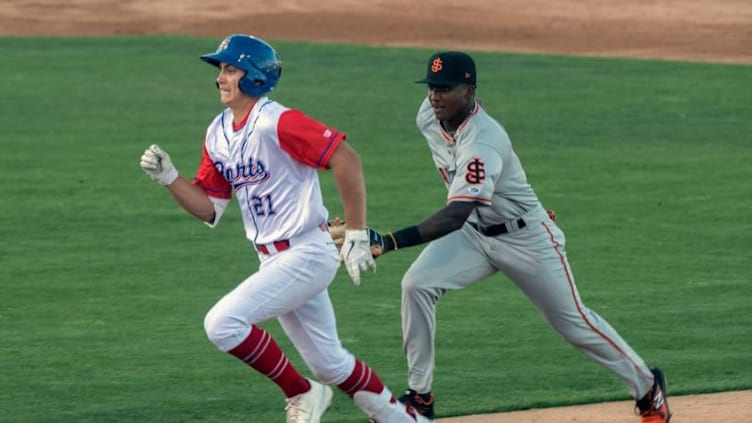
[
  {"x": 693, "y": 30},
  {"x": 726, "y": 407},
  {"x": 703, "y": 30}
]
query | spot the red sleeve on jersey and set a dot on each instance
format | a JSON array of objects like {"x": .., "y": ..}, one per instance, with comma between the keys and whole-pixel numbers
[
  {"x": 210, "y": 180},
  {"x": 307, "y": 140}
]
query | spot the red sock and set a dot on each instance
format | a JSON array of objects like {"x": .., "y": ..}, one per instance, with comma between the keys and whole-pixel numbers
[
  {"x": 260, "y": 351},
  {"x": 362, "y": 378}
]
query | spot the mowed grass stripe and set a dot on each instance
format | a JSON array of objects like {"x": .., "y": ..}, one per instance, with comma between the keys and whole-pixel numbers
[{"x": 105, "y": 280}]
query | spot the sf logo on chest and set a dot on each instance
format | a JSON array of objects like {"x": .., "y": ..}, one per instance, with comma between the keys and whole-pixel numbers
[{"x": 476, "y": 171}]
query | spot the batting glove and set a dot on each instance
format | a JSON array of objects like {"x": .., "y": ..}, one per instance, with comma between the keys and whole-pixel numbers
[
  {"x": 158, "y": 165},
  {"x": 356, "y": 254}
]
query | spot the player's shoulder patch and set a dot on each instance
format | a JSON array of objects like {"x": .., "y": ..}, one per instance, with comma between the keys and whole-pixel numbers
[{"x": 475, "y": 172}]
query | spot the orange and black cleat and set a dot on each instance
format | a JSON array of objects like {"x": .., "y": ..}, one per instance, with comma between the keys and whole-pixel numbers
[
  {"x": 422, "y": 403},
  {"x": 653, "y": 407}
]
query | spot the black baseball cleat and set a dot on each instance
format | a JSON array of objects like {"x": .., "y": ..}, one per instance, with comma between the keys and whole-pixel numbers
[
  {"x": 422, "y": 403},
  {"x": 653, "y": 407}
]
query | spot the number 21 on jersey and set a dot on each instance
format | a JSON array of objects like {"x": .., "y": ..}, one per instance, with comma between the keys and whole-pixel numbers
[{"x": 263, "y": 205}]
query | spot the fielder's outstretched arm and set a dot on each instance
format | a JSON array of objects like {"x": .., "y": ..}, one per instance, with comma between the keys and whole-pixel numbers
[{"x": 446, "y": 220}]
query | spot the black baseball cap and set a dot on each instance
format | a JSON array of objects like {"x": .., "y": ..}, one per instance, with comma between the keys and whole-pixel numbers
[{"x": 449, "y": 68}]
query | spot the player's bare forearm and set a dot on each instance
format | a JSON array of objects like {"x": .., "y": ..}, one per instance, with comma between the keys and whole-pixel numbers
[
  {"x": 348, "y": 175},
  {"x": 192, "y": 198}
]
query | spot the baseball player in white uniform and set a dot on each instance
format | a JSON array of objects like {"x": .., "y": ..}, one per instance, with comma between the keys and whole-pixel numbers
[
  {"x": 268, "y": 155},
  {"x": 493, "y": 222}
]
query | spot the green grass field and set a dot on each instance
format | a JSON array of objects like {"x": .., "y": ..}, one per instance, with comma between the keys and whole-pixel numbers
[{"x": 105, "y": 280}]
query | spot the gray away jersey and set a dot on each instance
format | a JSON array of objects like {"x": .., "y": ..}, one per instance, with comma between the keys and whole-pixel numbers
[{"x": 478, "y": 164}]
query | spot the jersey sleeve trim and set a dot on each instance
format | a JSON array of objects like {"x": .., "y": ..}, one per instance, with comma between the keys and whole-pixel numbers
[
  {"x": 469, "y": 198},
  {"x": 332, "y": 145}
]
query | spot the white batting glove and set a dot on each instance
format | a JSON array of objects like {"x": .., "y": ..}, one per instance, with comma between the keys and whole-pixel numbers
[
  {"x": 356, "y": 254},
  {"x": 158, "y": 165}
]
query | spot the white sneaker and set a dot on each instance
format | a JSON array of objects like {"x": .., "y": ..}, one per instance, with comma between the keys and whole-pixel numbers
[
  {"x": 384, "y": 408},
  {"x": 308, "y": 407}
]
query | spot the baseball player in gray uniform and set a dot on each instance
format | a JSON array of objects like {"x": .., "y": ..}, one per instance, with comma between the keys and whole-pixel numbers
[{"x": 493, "y": 222}]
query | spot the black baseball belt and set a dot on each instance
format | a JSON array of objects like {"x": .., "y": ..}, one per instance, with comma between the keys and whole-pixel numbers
[{"x": 499, "y": 229}]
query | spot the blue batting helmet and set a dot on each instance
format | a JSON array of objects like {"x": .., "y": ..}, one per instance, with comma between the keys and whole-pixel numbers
[{"x": 253, "y": 55}]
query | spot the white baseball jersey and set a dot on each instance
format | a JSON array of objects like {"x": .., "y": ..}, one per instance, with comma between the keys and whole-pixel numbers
[
  {"x": 270, "y": 161},
  {"x": 478, "y": 164}
]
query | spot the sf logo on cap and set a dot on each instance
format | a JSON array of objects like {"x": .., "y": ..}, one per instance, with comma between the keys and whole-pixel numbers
[{"x": 437, "y": 65}]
